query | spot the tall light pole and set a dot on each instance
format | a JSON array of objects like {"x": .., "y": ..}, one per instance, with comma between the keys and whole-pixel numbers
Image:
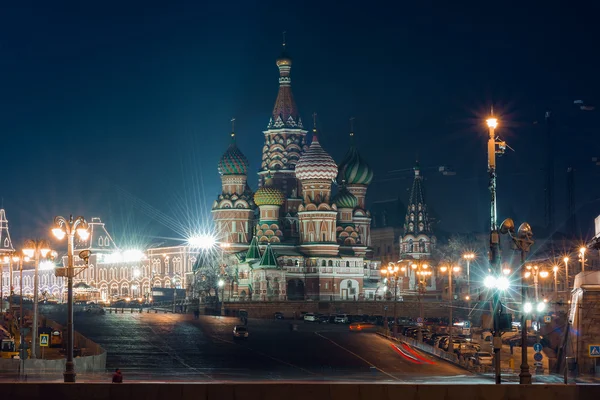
[
  {"x": 36, "y": 249},
  {"x": 535, "y": 272},
  {"x": 494, "y": 147},
  {"x": 392, "y": 272},
  {"x": 555, "y": 270},
  {"x": 451, "y": 293},
  {"x": 566, "y": 261},
  {"x": 582, "y": 258},
  {"x": 468, "y": 257},
  {"x": 221, "y": 285},
  {"x": 68, "y": 227}
]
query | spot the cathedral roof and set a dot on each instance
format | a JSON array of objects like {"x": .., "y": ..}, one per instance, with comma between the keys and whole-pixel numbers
[
  {"x": 269, "y": 195},
  {"x": 316, "y": 163},
  {"x": 233, "y": 162},
  {"x": 285, "y": 113},
  {"x": 417, "y": 219},
  {"x": 345, "y": 199},
  {"x": 253, "y": 250},
  {"x": 268, "y": 259},
  {"x": 353, "y": 169}
]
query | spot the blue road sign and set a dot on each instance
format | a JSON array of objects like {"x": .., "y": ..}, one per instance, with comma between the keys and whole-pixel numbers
[
  {"x": 537, "y": 347},
  {"x": 420, "y": 320},
  {"x": 538, "y": 357},
  {"x": 594, "y": 350},
  {"x": 467, "y": 324}
]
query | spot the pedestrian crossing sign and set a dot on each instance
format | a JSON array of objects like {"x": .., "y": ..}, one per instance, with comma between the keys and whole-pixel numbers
[
  {"x": 44, "y": 340},
  {"x": 594, "y": 350}
]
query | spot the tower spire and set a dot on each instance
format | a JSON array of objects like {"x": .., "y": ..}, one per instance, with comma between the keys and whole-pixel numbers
[
  {"x": 283, "y": 43},
  {"x": 233, "y": 129},
  {"x": 352, "y": 131},
  {"x": 5, "y": 241},
  {"x": 315, "y": 134}
]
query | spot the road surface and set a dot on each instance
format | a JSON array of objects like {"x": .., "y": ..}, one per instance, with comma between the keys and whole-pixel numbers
[{"x": 176, "y": 347}]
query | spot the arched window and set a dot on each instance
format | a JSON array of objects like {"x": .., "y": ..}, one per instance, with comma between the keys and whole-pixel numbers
[
  {"x": 100, "y": 241},
  {"x": 422, "y": 246},
  {"x": 330, "y": 263},
  {"x": 410, "y": 246},
  {"x": 323, "y": 263},
  {"x": 347, "y": 264}
]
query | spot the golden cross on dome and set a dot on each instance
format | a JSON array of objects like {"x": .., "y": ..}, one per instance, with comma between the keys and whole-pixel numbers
[
  {"x": 283, "y": 34},
  {"x": 315, "y": 121},
  {"x": 232, "y": 124},
  {"x": 351, "y": 126}
]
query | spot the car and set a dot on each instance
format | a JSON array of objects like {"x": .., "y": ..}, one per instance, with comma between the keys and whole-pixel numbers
[
  {"x": 279, "y": 315},
  {"x": 341, "y": 319},
  {"x": 94, "y": 309},
  {"x": 310, "y": 317},
  {"x": 323, "y": 319},
  {"x": 361, "y": 326},
  {"x": 482, "y": 358},
  {"x": 240, "y": 332}
]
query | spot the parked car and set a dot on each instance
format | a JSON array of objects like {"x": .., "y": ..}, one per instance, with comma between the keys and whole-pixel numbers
[
  {"x": 482, "y": 358},
  {"x": 279, "y": 315},
  {"x": 94, "y": 309},
  {"x": 310, "y": 317},
  {"x": 323, "y": 319},
  {"x": 240, "y": 332},
  {"x": 341, "y": 319}
]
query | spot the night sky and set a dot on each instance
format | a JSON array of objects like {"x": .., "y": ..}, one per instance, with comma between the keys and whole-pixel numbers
[{"x": 121, "y": 110}]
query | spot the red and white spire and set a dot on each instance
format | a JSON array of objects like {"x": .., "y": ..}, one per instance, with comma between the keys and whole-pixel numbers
[
  {"x": 6, "y": 245},
  {"x": 285, "y": 113}
]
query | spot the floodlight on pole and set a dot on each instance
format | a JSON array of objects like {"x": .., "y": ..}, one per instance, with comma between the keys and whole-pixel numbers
[{"x": 202, "y": 241}]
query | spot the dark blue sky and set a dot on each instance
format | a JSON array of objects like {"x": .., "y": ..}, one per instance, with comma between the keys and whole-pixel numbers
[{"x": 110, "y": 108}]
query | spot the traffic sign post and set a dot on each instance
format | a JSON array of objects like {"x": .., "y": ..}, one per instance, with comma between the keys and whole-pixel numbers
[
  {"x": 467, "y": 325},
  {"x": 537, "y": 347},
  {"x": 44, "y": 342},
  {"x": 538, "y": 357},
  {"x": 594, "y": 350},
  {"x": 547, "y": 319}
]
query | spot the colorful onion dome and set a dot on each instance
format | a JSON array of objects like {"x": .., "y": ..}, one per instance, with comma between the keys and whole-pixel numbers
[
  {"x": 233, "y": 162},
  {"x": 345, "y": 199},
  {"x": 353, "y": 169},
  {"x": 268, "y": 195},
  {"x": 316, "y": 163}
]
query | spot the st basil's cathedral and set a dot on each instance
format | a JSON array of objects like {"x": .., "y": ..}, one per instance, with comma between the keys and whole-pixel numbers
[{"x": 293, "y": 239}]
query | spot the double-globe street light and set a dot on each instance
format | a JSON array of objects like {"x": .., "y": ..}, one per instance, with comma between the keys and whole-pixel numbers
[
  {"x": 535, "y": 272},
  {"x": 392, "y": 273},
  {"x": 422, "y": 272},
  {"x": 67, "y": 227},
  {"x": 36, "y": 249},
  {"x": 468, "y": 257}
]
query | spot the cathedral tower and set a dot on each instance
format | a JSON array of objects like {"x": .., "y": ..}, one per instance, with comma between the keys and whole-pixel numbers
[
  {"x": 233, "y": 210},
  {"x": 269, "y": 200},
  {"x": 316, "y": 171},
  {"x": 285, "y": 139},
  {"x": 357, "y": 175}
]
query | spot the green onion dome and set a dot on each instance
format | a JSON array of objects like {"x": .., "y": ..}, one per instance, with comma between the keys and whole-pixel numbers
[
  {"x": 233, "y": 162},
  {"x": 267, "y": 195},
  {"x": 345, "y": 199},
  {"x": 354, "y": 170}
]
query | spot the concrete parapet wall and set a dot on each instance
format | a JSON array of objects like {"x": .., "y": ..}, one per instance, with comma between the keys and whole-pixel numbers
[
  {"x": 41, "y": 367},
  {"x": 296, "y": 391},
  {"x": 288, "y": 308}
]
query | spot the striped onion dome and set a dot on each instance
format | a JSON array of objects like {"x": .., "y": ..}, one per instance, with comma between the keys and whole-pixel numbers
[
  {"x": 267, "y": 195},
  {"x": 345, "y": 199},
  {"x": 316, "y": 163},
  {"x": 354, "y": 170},
  {"x": 233, "y": 162}
]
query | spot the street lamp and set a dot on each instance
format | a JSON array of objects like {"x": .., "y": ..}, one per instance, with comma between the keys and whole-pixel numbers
[
  {"x": 566, "y": 261},
  {"x": 451, "y": 292},
  {"x": 555, "y": 270},
  {"x": 422, "y": 272},
  {"x": 468, "y": 257},
  {"x": 67, "y": 227},
  {"x": 582, "y": 258},
  {"x": 36, "y": 249},
  {"x": 535, "y": 272},
  {"x": 221, "y": 285},
  {"x": 392, "y": 271}
]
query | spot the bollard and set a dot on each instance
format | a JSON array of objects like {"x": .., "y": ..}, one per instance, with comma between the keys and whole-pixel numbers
[
  {"x": 148, "y": 312},
  {"x": 131, "y": 310},
  {"x": 156, "y": 311}
]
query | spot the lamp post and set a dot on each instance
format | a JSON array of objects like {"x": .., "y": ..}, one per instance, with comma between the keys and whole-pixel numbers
[
  {"x": 421, "y": 273},
  {"x": 582, "y": 258},
  {"x": 68, "y": 227},
  {"x": 522, "y": 240},
  {"x": 468, "y": 257},
  {"x": 221, "y": 285},
  {"x": 35, "y": 249},
  {"x": 566, "y": 261},
  {"x": 451, "y": 292},
  {"x": 535, "y": 272},
  {"x": 392, "y": 272},
  {"x": 555, "y": 270}
]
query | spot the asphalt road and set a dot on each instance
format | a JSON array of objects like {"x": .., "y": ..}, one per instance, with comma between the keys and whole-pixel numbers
[{"x": 175, "y": 347}]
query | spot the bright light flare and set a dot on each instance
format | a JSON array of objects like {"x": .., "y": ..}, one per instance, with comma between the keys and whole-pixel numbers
[
  {"x": 221, "y": 283},
  {"x": 527, "y": 307},
  {"x": 29, "y": 252},
  {"x": 555, "y": 268},
  {"x": 59, "y": 233},
  {"x": 492, "y": 123},
  {"x": 502, "y": 283},
  {"x": 541, "y": 307},
  {"x": 489, "y": 282},
  {"x": 46, "y": 265},
  {"x": 202, "y": 241},
  {"x": 83, "y": 233},
  {"x": 506, "y": 271},
  {"x": 544, "y": 274}
]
